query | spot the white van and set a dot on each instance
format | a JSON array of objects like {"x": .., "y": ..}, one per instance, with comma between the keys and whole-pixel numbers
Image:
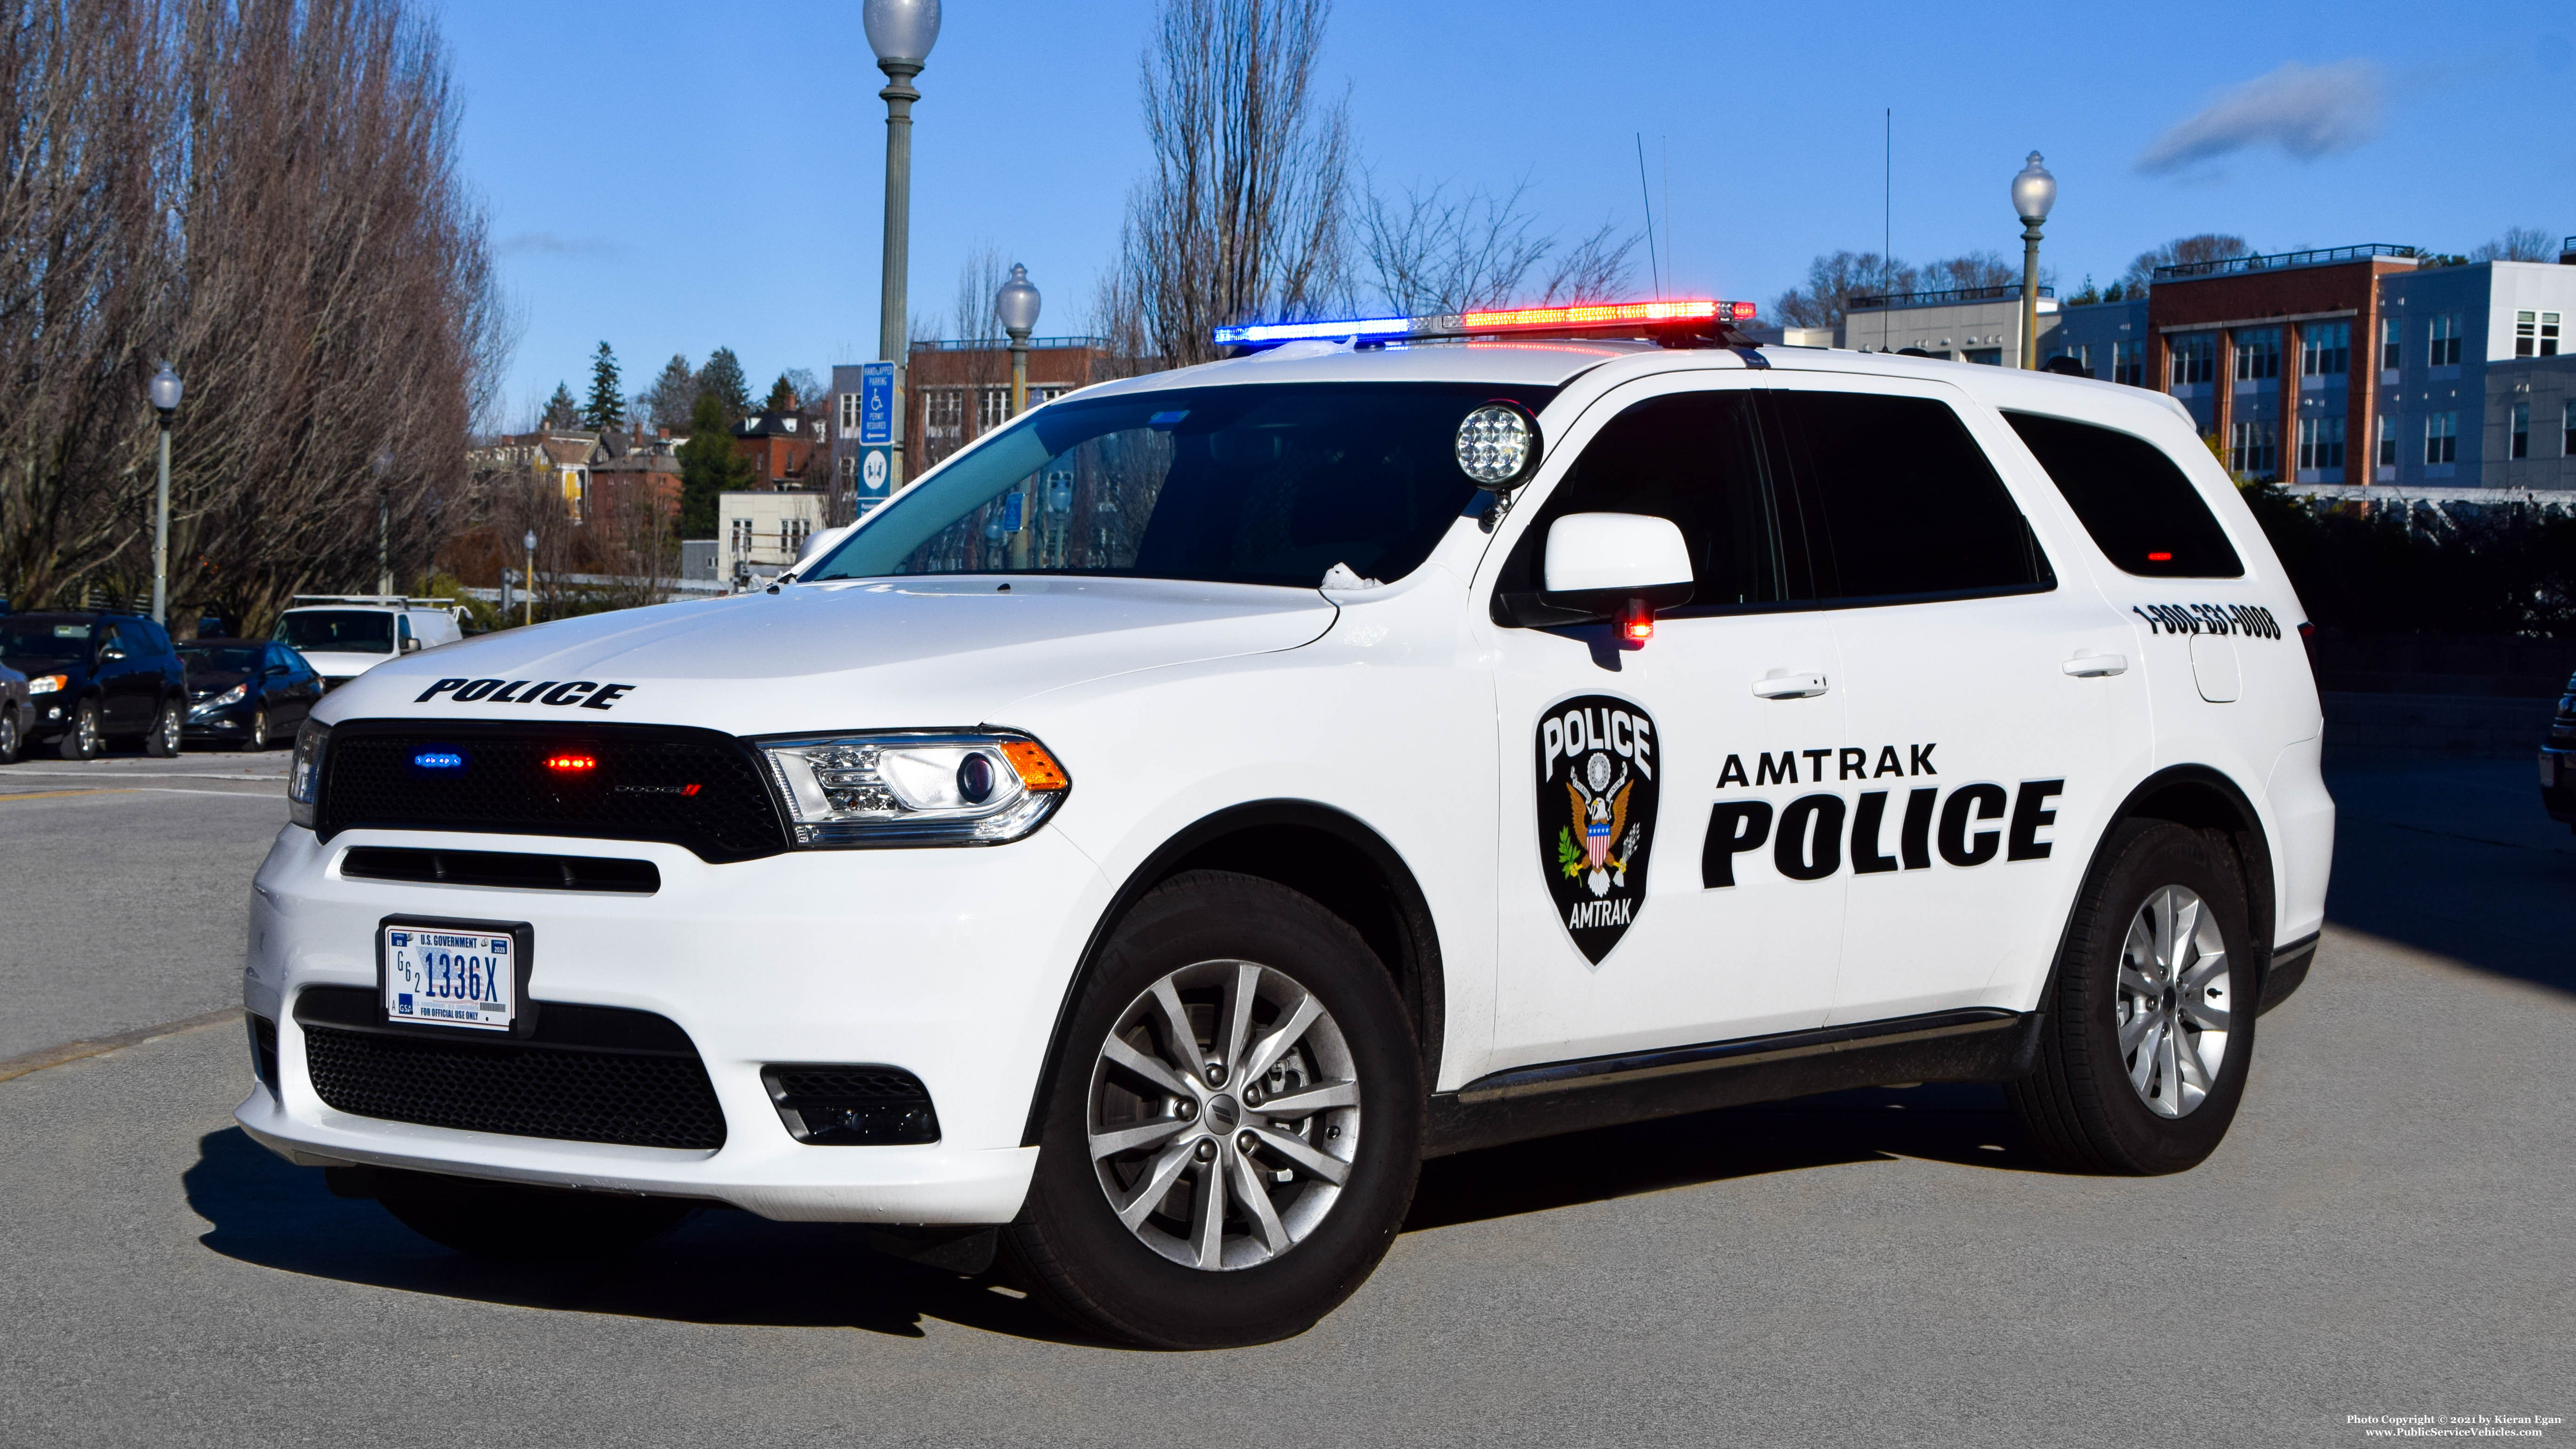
[{"x": 345, "y": 635}]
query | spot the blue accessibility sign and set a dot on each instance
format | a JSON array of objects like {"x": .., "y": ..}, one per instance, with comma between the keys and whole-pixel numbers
[{"x": 876, "y": 403}]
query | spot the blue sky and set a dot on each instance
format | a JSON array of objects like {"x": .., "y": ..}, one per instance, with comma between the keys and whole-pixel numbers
[{"x": 674, "y": 177}]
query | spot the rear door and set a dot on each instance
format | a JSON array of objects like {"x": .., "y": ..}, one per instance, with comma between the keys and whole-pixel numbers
[
  {"x": 1994, "y": 714},
  {"x": 1647, "y": 790},
  {"x": 128, "y": 686}
]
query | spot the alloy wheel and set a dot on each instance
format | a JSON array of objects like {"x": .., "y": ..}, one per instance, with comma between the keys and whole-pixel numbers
[
  {"x": 2173, "y": 1003},
  {"x": 92, "y": 743},
  {"x": 1224, "y": 1115},
  {"x": 259, "y": 728}
]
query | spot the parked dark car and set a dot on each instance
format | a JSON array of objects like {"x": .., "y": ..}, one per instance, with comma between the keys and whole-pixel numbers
[
  {"x": 98, "y": 677},
  {"x": 2558, "y": 760},
  {"x": 16, "y": 713},
  {"x": 247, "y": 693}
]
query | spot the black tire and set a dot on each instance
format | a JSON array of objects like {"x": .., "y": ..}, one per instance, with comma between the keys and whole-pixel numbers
[
  {"x": 82, "y": 738},
  {"x": 166, "y": 737},
  {"x": 515, "y": 1223},
  {"x": 2080, "y": 1108},
  {"x": 257, "y": 740},
  {"x": 1068, "y": 1246},
  {"x": 10, "y": 739}
]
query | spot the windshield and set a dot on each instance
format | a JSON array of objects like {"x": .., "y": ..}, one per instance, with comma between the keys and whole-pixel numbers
[
  {"x": 35, "y": 643},
  {"x": 337, "y": 631},
  {"x": 232, "y": 659},
  {"x": 1256, "y": 484}
]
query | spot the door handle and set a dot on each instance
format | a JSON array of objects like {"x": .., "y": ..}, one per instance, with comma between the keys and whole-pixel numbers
[
  {"x": 2097, "y": 666},
  {"x": 1788, "y": 684}
]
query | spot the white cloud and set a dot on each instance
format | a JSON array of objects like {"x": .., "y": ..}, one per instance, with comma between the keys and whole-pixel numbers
[
  {"x": 2308, "y": 111},
  {"x": 548, "y": 244}
]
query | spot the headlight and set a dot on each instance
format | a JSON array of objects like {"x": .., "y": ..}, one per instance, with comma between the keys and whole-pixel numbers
[
  {"x": 304, "y": 777},
  {"x": 915, "y": 788},
  {"x": 48, "y": 683},
  {"x": 234, "y": 695}
]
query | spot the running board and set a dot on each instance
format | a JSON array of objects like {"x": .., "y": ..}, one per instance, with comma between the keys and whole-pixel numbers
[{"x": 1983, "y": 1044}]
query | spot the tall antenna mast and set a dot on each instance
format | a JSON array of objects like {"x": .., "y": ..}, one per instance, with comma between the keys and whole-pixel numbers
[{"x": 1654, "y": 268}]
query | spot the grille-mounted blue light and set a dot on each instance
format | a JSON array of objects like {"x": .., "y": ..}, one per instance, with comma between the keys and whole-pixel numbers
[{"x": 438, "y": 760}]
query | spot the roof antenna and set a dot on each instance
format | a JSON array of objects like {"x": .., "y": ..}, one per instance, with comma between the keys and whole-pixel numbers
[{"x": 1654, "y": 268}]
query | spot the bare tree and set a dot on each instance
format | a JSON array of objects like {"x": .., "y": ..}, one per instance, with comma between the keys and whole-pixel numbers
[
  {"x": 1434, "y": 251},
  {"x": 2183, "y": 251},
  {"x": 2518, "y": 244},
  {"x": 1833, "y": 280},
  {"x": 1243, "y": 213},
  {"x": 265, "y": 196},
  {"x": 1969, "y": 270}
]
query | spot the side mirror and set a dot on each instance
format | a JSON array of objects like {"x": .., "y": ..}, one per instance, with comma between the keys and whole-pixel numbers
[
  {"x": 278, "y": 671},
  {"x": 1622, "y": 566},
  {"x": 411, "y": 646},
  {"x": 110, "y": 654}
]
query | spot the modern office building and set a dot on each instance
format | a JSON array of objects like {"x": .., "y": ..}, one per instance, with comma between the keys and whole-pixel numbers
[
  {"x": 2529, "y": 437},
  {"x": 2107, "y": 340},
  {"x": 2459, "y": 349}
]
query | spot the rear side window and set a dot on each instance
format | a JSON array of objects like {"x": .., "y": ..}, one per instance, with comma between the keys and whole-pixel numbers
[
  {"x": 2142, "y": 512},
  {"x": 1898, "y": 501}
]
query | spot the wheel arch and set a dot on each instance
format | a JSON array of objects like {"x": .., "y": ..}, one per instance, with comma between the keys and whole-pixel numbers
[
  {"x": 1313, "y": 849},
  {"x": 2200, "y": 797}
]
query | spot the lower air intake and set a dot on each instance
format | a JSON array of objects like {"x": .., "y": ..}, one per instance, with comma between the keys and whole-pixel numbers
[
  {"x": 853, "y": 1106},
  {"x": 588, "y": 1074}
]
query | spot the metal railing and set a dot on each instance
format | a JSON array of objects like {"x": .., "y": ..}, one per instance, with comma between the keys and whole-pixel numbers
[
  {"x": 2274, "y": 261},
  {"x": 2007, "y": 291},
  {"x": 1000, "y": 344}
]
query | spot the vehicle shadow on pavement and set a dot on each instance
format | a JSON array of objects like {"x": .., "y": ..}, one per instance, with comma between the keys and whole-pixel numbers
[
  {"x": 722, "y": 1267},
  {"x": 2456, "y": 858},
  {"x": 729, "y": 1267},
  {"x": 1962, "y": 1123}
]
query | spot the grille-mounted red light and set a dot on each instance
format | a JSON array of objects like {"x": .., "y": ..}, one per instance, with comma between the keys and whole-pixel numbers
[
  {"x": 571, "y": 764},
  {"x": 1637, "y": 622}
]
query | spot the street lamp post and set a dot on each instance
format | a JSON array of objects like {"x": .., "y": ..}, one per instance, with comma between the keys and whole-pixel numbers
[
  {"x": 901, "y": 33},
  {"x": 531, "y": 579},
  {"x": 165, "y": 401},
  {"x": 1017, "y": 305},
  {"x": 2034, "y": 191}
]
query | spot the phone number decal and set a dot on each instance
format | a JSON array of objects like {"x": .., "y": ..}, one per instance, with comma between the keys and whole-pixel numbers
[{"x": 2249, "y": 620}]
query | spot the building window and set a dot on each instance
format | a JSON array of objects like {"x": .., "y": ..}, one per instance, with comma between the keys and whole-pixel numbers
[
  {"x": 2258, "y": 353},
  {"x": 741, "y": 537},
  {"x": 2387, "y": 441},
  {"x": 943, "y": 411},
  {"x": 2392, "y": 345},
  {"x": 792, "y": 534},
  {"x": 1986, "y": 356},
  {"x": 2195, "y": 359},
  {"x": 849, "y": 468},
  {"x": 849, "y": 413},
  {"x": 2442, "y": 438},
  {"x": 2445, "y": 348},
  {"x": 2320, "y": 443},
  {"x": 2567, "y": 444},
  {"x": 2129, "y": 363},
  {"x": 2325, "y": 349},
  {"x": 2254, "y": 450},
  {"x": 2522, "y": 430},
  {"x": 992, "y": 409},
  {"x": 2535, "y": 334}
]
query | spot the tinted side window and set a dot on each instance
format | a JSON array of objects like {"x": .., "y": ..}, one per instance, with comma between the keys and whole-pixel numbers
[
  {"x": 1690, "y": 457},
  {"x": 1897, "y": 499},
  {"x": 2142, "y": 512}
]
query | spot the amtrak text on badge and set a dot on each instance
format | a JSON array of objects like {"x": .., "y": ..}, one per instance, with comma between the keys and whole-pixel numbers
[{"x": 1596, "y": 815}]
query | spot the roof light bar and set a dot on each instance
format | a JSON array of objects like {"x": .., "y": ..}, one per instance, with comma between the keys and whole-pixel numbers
[{"x": 1609, "y": 317}]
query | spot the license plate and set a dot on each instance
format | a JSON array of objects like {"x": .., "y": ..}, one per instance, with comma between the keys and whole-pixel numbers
[{"x": 450, "y": 977}]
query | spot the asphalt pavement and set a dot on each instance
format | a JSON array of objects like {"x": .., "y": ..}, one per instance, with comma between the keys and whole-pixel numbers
[{"x": 2384, "y": 1233}]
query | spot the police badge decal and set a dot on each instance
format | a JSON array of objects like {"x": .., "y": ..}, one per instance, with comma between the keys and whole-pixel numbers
[{"x": 1596, "y": 815}]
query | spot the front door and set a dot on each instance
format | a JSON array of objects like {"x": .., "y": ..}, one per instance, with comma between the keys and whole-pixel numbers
[{"x": 1640, "y": 783}]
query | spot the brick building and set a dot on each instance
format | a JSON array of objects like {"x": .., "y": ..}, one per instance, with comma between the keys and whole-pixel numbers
[{"x": 955, "y": 392}]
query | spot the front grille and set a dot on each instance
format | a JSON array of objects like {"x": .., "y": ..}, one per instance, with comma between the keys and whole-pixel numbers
[
  {"x": 586, "y": 1073},
  {"x": 694, "y": 788},
  {"x": 502, "y": 868},
  {"x": 852, "y": 1106}
]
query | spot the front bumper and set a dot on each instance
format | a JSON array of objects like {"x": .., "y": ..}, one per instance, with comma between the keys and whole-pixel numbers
[
  {"x": 948, "y": 963},
  {"x": 231, "y": 721}
]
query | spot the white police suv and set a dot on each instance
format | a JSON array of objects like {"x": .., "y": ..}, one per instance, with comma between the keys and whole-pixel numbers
[{"x": 1160, "y": 827}]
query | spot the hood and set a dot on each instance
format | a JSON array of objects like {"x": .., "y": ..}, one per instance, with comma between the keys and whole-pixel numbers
[
  {"x": 871, "y": 653},
  {"x": 339, "y": 663}
]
